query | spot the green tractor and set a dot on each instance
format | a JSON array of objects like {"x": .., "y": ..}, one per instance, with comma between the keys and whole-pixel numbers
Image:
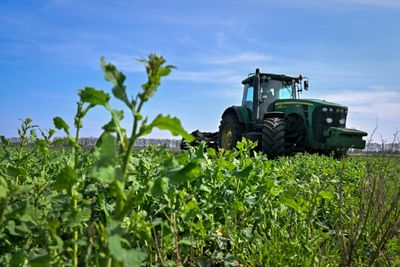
[{"x": 273, "y": 115}]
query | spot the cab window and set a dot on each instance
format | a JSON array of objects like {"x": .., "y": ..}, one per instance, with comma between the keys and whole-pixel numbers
[
  {"x": 248, "y": 97},
  {"x": 250, "y": 93}
]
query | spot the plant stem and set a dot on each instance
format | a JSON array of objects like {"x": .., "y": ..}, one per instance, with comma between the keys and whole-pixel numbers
[
  {"x": 131, "y": 139},
  {"x": 109, "y": 261},
  {"x": 158, "y": 247},
  {"x": 177, "y": 256},
  {"x": 75, "y": 231},
  {"x": 76, "y": 147}
]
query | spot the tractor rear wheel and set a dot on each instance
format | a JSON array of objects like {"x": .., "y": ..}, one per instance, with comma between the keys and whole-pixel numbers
[
  {"x": 230, "y": 131},
  {"x": 273, "y": 137}
]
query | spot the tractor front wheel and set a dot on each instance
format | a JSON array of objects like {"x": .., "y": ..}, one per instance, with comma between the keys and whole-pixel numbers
[
  {"x": 230, "y": 131},
  {"x": 273, "y": 137}
]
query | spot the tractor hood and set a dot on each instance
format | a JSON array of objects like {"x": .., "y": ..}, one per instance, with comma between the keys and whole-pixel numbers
[{"x": 308, "y": 102}]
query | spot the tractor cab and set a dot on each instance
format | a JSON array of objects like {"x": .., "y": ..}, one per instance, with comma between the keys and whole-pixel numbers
[{"x": 262, "y": 90}]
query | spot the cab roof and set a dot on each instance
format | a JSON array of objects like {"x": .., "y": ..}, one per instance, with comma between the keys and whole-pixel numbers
[{"x": 279, "y": 77}]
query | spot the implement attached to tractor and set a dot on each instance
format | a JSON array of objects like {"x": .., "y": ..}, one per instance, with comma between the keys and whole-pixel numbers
[{"x": 273, "y": 115}]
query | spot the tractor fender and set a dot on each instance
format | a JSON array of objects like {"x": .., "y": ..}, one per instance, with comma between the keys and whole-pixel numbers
[
  {"x": 237, "y": 111},
  {"x": 274, "y": 114}
]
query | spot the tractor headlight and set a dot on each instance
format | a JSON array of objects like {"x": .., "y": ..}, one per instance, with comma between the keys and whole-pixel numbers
[
  {"x": 324, "y": 109},
  {"x": 342, "y": 121},
  {"x": 329, "y": 120}
]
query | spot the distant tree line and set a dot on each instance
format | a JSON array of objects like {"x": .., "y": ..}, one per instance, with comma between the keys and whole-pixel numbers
[
  {"x": 91, "y": 142},
  {"x": 379, "y": 148},
  {"x": 371, "y": 148}
]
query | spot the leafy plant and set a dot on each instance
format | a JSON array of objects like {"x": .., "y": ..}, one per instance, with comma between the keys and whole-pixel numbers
[{"x": 116, "y": 206}]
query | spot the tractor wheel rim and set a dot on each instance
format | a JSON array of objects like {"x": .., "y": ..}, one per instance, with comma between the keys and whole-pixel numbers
[{"x": 226, "y": 138}]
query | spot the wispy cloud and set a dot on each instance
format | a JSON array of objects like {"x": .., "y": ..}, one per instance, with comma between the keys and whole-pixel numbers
[
  {"x": 220, "y": 38},
  {"x": 243, "y": 57},
  {"x": 376, "y": 106},
  {"x": 198, "y": 21},
  {"x": 211, "y": 76},
  {"x": 316, "y": 4},
  {"x": 375, "y": 102}
]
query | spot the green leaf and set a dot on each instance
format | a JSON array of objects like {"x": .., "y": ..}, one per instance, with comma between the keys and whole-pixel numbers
[
  {"x": 18, "y": 259},
  {"x": 276, "y": 190},
  {"x": 117, "y": 116},
  {"x": 15, "y": 171},
  {"x": 245, "y": 172},
  {"x": 3, "y": 187},
  {"x": 23, "y": 189},
  {"x": 106, "y": 150},
  {"x": 190, "y": 206},
  {"x": 117, "y": 78},
  {"x": 65, "y": 179},
  {"x": 93, "y": 96},
  {"x": 106, "y": 175},
  {"x": 165, "y": 71},
  {"x": 326, "y": 194},
  {"x": 191, "y": 171},
  {"x": 11, "y": 228},
  {"x": 238, "y": 205},
  {"x": 186, "y": 241},
  {"x": 173, "y": 125},
  {"x": 129, "y": 257},
  {"x": 40, "y": 261},
  {"x": 58, "y": 245},
  {"x": 111, "y": 73},
  {"x": 105, "y": 155},
  {"x": 159, "y": 187},
  {"x": 291, "y": 203},
  {"x": 59, "y": 123},
  {"x": 120, "y": 93},
  {"x": 80, "y": 217},
  {"x": 4, "y": 140}
]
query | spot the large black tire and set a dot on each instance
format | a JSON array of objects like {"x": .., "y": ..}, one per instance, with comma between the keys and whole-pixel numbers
[
  {"x": 273, "y": 137},
  {"x": 230, "y": 131}
]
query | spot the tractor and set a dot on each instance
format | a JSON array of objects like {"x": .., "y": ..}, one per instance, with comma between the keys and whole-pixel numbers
[{"x": 273, "y": 115}]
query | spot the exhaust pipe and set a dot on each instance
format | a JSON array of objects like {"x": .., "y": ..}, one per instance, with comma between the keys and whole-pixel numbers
[{"x": 256, "y": 97}]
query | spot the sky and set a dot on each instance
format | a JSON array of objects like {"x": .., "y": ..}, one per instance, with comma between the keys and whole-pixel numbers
[{"x": 49, "y": 49}]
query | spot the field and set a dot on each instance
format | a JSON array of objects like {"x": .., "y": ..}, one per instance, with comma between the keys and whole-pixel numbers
[{"x": 114, "y": 206}]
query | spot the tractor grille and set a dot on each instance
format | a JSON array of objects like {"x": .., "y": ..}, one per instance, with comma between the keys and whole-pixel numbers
[{"x": 320, "y": 124}]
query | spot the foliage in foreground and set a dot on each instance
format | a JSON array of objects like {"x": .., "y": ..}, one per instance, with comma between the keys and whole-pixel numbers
[{"x": 113, "y": 207}]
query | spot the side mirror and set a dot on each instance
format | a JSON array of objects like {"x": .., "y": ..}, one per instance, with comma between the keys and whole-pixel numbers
[{"x": 305, "y": 85}]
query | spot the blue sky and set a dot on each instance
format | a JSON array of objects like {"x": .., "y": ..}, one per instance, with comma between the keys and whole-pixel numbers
[{"x": 350, "y": 50}]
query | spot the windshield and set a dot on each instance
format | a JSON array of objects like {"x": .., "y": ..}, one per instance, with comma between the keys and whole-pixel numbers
[{"x": 274, "y": 90}]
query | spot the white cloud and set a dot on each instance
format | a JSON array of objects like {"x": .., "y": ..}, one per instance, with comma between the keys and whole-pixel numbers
[
  {"x": 374, "y": 107},
  {"x": 375, "y": 101}
]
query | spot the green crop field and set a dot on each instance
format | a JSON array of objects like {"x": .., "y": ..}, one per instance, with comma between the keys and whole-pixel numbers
[{"x": 115, "y": 206}]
